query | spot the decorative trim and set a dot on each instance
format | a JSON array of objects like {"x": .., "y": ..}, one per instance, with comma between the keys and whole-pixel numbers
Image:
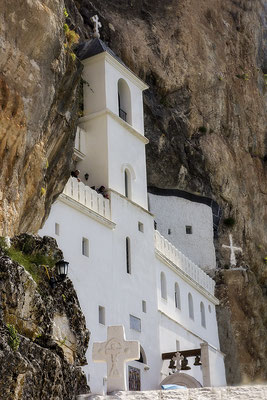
[
  {"x": 186, "y": 278},
  {"x": 107, "y": 111},
  {"x": 87, "y": 211}
]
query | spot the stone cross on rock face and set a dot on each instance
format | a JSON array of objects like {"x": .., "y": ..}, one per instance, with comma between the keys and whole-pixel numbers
[
  {"x": 97, "y": 25},
  {"x": 178, "y": 358},
  {"x": 233, "y": 249},
  {"x": 116, "y": 351}
]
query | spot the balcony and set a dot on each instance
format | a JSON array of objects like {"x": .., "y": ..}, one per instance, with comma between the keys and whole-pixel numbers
[
  {"x": 181, "y": 263},
  {"x": 87, "y": 197}
]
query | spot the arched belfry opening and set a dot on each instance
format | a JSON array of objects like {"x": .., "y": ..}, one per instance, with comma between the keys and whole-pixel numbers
[{"x": 124, "y": 101}]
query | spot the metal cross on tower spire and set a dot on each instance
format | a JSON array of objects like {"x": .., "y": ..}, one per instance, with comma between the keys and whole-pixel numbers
[{"x": 97, "y": 25}]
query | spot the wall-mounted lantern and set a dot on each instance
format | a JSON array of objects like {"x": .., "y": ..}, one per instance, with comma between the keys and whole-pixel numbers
[{"x": 62, "y": 269}]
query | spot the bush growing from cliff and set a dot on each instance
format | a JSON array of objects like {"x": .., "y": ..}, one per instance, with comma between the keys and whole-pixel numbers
[
  {"x": 14, "y": 340},
  {"x": 229, "y": 221}
]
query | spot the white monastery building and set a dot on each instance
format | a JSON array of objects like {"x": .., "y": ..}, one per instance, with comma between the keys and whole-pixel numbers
[{"x": 124, "y": 271}]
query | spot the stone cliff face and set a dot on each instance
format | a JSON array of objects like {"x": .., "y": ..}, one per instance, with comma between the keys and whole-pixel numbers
[
  {"x": 205, "y": 117},
  {"x": 38, "y": 81},
  {"x": 43, "y": 333}
]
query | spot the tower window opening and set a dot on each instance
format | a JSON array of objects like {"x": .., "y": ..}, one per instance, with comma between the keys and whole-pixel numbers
[{"x": 124, "y": 101}]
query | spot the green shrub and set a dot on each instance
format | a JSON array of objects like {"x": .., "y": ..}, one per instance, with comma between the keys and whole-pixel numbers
[
  {"x": 202, "y": 129},
  {"x": 14, "y": 340},
  {"x": 31, "y": 262},
  {"x": 229, "y": 221}
]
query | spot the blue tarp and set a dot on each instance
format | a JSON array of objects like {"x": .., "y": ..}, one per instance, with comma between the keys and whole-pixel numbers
[{"x": 172, "y": 387}]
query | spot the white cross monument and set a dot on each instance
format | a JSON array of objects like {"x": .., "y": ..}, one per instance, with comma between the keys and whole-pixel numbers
[
  {"x": 116, "y": 351},
  {"x": 97, "y": 25},
  {"x": 233, "y": 249}
]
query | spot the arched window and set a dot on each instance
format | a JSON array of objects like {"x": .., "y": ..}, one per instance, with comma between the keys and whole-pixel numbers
[
  {"x": 128, "y": 256},
  {"x": 163, "y": 286},
  {"x": 127, "y": 183},
  {"x": 124, "y": 101},
  {"x": 177, "y": 297},
  {"x": 202, "y": 313},
  {"x": 190, "y": 306},
  {"x": 142, "y": 358}
]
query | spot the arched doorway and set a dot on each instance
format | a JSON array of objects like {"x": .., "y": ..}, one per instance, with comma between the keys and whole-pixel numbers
[{"x": 181, "y": 379}]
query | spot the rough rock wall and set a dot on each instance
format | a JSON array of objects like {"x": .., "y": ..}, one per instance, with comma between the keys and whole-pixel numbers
[
  {"x": 41, "y": 360},
  {"x": 38, "y": 109}
]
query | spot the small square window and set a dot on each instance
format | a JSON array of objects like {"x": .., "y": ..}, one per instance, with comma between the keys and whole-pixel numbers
[
  {"x": 57, "y": 228},
  {"x": 188, "y": 229},
  {"x": 144, "y": 306},
  {"x": 140, "y": 227},
  {"x": 85, "y": 247},
  {"x": 135, "y": 323},
  {"x": 101, "y": 315}
]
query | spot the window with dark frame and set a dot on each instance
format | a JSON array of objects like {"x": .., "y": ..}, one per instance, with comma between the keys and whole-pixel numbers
[{"x": 188, "y": 229}]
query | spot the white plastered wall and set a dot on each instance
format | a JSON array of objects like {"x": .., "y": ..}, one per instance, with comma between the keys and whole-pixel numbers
[{"x": 175, "y": 213}]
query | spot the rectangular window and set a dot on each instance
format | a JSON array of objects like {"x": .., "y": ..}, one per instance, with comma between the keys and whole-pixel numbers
[
  {"x": 177, "y": 345},
  {"x": 85, "y": 247},
  {"x": 140, "y": 227},
  {"x": 57, "y": 228},
  {"x": 135, "y": 323},
  {"x": 144, "y": 306},
  {"x": 188, "y": 229},
  {"x": 169, "y": 231},
  {"x": 101, "y": 315}
]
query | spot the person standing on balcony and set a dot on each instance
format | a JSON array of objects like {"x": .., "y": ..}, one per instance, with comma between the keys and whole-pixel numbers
[{"x": 75, "y": 174}]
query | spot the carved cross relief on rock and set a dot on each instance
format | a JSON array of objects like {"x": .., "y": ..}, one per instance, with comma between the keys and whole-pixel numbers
[
  {"x": 116, "y": 351},
  {"x": 232, "y": 249}
]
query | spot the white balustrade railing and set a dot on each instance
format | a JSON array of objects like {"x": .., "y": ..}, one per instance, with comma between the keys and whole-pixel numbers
[
  {"x": 183, "y": 263},
  {"x": 87, "y": 197}
]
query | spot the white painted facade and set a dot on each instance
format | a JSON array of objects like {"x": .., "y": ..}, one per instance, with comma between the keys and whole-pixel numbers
[
  {"x": 173, "y": 214},
  {"x": 83, "y": 221}
]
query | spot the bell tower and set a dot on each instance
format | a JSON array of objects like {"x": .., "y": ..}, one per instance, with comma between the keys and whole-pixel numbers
[{"x": 114, "y": 123}]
